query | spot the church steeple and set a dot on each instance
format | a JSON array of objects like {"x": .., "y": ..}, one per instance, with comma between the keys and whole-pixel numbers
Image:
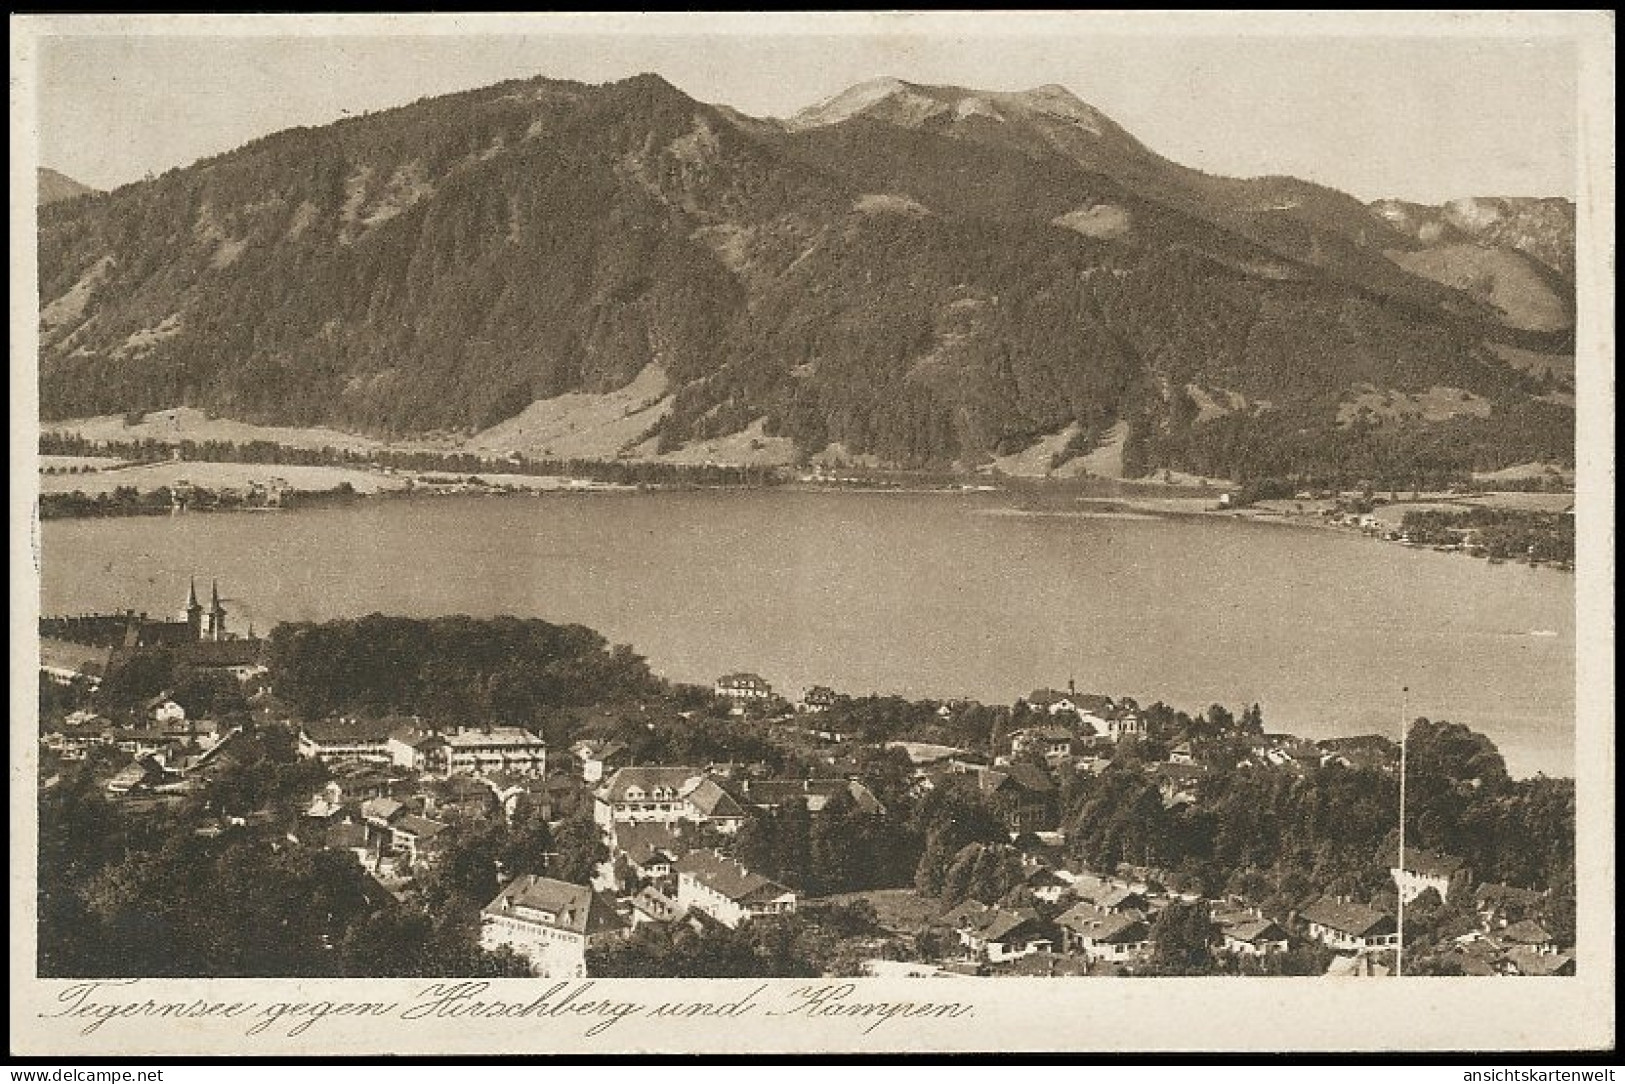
[
  {"x": 217, "y": 613},
  {"x": 193, "y": 612}
]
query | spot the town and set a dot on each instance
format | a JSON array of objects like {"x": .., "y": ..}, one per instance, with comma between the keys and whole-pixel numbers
[{"x": 466, "y": 797}]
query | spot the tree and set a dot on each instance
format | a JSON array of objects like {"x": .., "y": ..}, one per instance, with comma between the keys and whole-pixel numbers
[
  {"x": 581, "y": 850},
  {"x": 985, "y": 872},
  {"x": 1182, "y": 937},
  {"x": 951, "y": 816}
]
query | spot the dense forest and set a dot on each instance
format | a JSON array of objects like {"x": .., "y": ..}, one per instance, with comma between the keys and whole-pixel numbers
[
  {"x": 1497, "y": 532},
  {"x": 909, "y": 293},
  {"x": 458, "y": 671}
]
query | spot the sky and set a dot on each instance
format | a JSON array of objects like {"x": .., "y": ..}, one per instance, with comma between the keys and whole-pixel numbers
[{"x": 1415, "y": 114}]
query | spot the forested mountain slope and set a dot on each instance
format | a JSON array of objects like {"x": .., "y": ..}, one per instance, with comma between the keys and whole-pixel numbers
[{"x": 926, "y": 274}]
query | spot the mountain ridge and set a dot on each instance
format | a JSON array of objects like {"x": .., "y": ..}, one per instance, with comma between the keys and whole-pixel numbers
[
  {"x": 926, "y": 285},
  {"x": 54, "y": 186}
]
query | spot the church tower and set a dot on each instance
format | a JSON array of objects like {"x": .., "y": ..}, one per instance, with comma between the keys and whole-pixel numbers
[
  {"x": 193, "y": 614},
  {"x": 215, "y": 627}
]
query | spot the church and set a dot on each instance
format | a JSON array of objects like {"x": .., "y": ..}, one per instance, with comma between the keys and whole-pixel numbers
[{"x": 91, "y": 646}]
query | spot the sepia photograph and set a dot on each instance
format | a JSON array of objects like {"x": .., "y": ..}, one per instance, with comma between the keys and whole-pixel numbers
[{"x": 910, "y": 514}]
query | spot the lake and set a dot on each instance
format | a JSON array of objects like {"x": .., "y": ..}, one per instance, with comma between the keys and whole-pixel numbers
[{"x": 925, "y": 595}]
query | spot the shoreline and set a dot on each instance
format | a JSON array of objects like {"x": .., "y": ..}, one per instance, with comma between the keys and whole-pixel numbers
[{"x": 1024, "y": 499}]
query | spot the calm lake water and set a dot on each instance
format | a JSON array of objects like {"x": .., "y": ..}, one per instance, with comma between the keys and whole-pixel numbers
[{"x": 922, "y": 595}]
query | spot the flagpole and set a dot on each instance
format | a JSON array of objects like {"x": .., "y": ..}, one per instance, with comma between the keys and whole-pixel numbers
[{"x": 1404, "y": 714}]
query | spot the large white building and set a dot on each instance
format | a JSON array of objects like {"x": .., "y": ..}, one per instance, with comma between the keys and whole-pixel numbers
[
  {"x": 334, "y": 740},
  {"x": 501, "y": 748},
  {"x": 743, "y": 687},
  {"x": 665, "y": 795},
  {"x": 727, "y": 891},
  {"x": 1422, "y": 870},
  {"x": 550, "y": 923}
]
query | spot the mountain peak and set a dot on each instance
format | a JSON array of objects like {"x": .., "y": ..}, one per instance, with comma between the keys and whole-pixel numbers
[
  {"x": 849, "y": 102},
  {"x": 1056, "y": 100},
  {"x": 896, "y": 101},
  {"x": 54, "y": 186}
]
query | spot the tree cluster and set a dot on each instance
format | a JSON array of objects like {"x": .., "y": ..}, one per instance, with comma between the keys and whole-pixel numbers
[{"x": 453, "y": 670}]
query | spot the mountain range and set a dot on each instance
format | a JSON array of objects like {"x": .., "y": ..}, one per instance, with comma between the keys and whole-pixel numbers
[
  {"x": 919, "y": 275},
  {"x": 54, "y": 186}
]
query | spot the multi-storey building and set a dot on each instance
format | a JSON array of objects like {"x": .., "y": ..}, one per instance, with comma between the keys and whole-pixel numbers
[{"x": 550, "y": 923}]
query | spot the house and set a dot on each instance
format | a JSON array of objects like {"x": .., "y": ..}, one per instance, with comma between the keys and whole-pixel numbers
[
  {"x": 743, "y": 688},
  {"x": 1046, "y": 884},
  {"x": 163, "y": 711},
  {"x": 727, "y": 891},
  {"x": 379, "y": 815},
  {"x": 665, "y": 795},
  {"x": 1501, "y": 905},
  {"x": 352, "y": 837},
  {"x": 359, "y": 780},
  {"x": 818, "y": 698},
  {"x": 415, "y": 838},
  {"x": 139, "y": 741},
  {"x": 815, "y": 794},
  {"x": 417, "y": 748},
  {"x": 1528, "y": 935},
  {"x": 1179, "y": 783},
  {"x": 1422, "y": 870},
  {"x": 1519, "y": 960},
  {"x": 597, "y": 757},
  {"x": 1052, "y": 701},
  {"x": 1181, "y": 754},
  {"x": 327, "y": 805},
  {"x": 382, "y": 811},
  {"x": 1372, "y": 751},
  {"x": 1349, "y": 927},
  {"x": 1099, "y": 934},
  {"x": 998, "y": 934},
  {"x": 336, "y": 740},
  {"x": 1117, "y": 899},
  {"x": 1022, "y": 792},
  {"x": 550, "y": 923},
  {"x": 1126, "y": 723},
  {"x": 1050, "y": 742},
  {"x": 1255, "y": 937},
  {"x": 650, "y": 849},
  {"x": 499, "y": 748},
  {"x": 652, "y": 905},
  {"x": 139, "y": 774}
]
